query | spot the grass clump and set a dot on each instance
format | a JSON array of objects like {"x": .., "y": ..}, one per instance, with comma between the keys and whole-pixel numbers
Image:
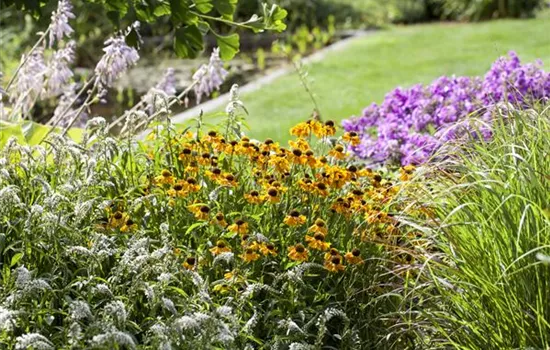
[{"x": 485, "y": 286}]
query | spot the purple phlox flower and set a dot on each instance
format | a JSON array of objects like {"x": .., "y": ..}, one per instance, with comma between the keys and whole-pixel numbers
[
  {"x": 29, "y": 81},
  {"x": 58, "y": 72},
  {"x": 447, "y": 109},
  {"x": 116, "y": 60},
  {"x": 209, "y": 77},
  {"x": 59, "y": 26}
]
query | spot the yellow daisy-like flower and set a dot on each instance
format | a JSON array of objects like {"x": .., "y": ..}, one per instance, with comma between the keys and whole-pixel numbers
[
  {"x": 273, "y": 195},
  {"x": 280, "y": 163},
  {"x": 177, "y": 251},
  {"x": 214, "y": 174},
  {"x": 267, "y": 249},
  {"x": 306, "y": 185},
  {"x": 201, "y": 212},
  {"x": 300, "y": 144},
  {"x": 221, "y": 247},
  {"x": 219, "y": 220},
  {"x": 186, "y": 154},
  {"x": 406, "y": 172},
  {"x": 204, "y": 159},
  {"x": 118, "y": 219},
  {"x": 298, "y": 157},
  {"x": 269, "y": 145},
  {"x": 128, "y": 226},
  {"x": 332, "y": 252},
  {"x": 334, "y": 264},
  {"x": 352, "y": 138},
  {"x": 165, "y": 177},
  {"x": 298, "y": 252},
  {"x": 178, "y": 190},
  {"x": 250, "y": 255},
  {"x": 354, "y": 257},
  {"x": 328, "y": 129},
  {"x": 192, "y": 185},
  {"x": 337, "y": 152},
  {"x": 317, "y": 242},
  {"x": 240, "y": 226},
  {"x": 227, "y": 180},
  {"x": 222, "y": 288},
  {"x": 311, "y": 161},
  {"x": 190, "y": 263},
  {"x": 253, "y": 197},
  {"x": 321, "y": 189},
  {"x": 319, "y": 226},
  {"x": 294, "y": 218}
]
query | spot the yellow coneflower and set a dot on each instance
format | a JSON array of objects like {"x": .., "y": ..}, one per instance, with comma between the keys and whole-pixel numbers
[
  {"x": 376, "y": 180},
  {"x": 357, "y": 194},
  {"x": 204, "y": 159},
  {"x": 279, "y": 162},
  {"x": 190, "y": 263},
  {"x": 117, "y": 219},
  {"x": 192, "y": 168},
  {"x": 219, "y": 220},
  {"x": 337, "y": 152},
  {"x": 273, "y": 195},
  {"x": 221, "y": 247},
  {"x": 311, "y": 161},
  {"x": 334, "y": 264},
  {"x": 268, "y": 249},
  {"x": 306, "y": 185},
  {"x": 294, "y": 218},
  {"x": 213, "y": 174},
  {"x": 227, "y": 180},
  {"x": 177, "y": 251},
  {"x": 406, "y": 172},
  {"x": 240, "y": 226},
  {"x": 321, "y": 189},
  {"x": 186, "y": 154},
  {"x": 319, "y": 226},
  {"x": 298, "y": 157},
  {"x": 354, "y": 257},
  {"x": 250, "y": 255},
  {"x": 317, "y": 242},
  {"x": 211, "y": 137},
  {"x": 253, "y": 197},
  {"x": 328, "y": 129},
  {"x": 222, "y": 288},
  {"x": 332, "y": 252},
  {"x": 165, "y": 178},
  {"x": 178, "y": 190},
  {"x": 352, "y": 138},
  {"x": 201, "y": 212},
  {"x": 298, "y": 252},
  {"x": 128, "y": 226},
  {"x": 192, "y": 185}
]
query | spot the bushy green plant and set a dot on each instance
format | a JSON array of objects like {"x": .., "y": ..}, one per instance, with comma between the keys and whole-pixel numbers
[
  {"x": 474, "y": 10},
  {"x": 487, "y": 285}
]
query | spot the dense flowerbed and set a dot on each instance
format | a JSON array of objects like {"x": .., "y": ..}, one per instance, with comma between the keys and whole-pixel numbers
[
  {"x": 199, "y": 240},
  {"x": 411, "y": 124}
]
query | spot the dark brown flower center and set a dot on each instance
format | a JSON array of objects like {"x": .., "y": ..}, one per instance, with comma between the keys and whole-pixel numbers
[
  {"x": 220, "y": 244},
  {"x": 205, "y": 209},
  {"x": 272, "y": 192},
  {"x": 319, "y": 236},
  {"x": 300, "y": 248},
  {"x": 297, "y": 152},
  {"x": 335, "y": 260},
  {"x": 190, "y": 260},
  {"x": 295, "y": 213},
  {"x": 355, "y": 252},
  {"x": 118, "y": 215},
  {"x": 178, "y": 187},
  {"x": 240, "y": 222}
]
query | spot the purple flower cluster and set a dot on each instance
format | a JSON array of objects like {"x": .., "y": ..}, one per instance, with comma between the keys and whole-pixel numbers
[{"x": 411, "y": 124}]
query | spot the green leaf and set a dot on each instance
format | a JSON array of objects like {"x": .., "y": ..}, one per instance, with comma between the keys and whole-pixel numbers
[
  {"x": 274, "y": 17},
  {"x": 34, "y": 133},
  {"x": 226, "y": 7},
  {"x": 15, "y": 259},
  {"x": 229, "y": 46},
  {"x": 162, "y": 9},
  {"x": 119, "y": 7},
  {"x": 188, "y": 42},
  {"x": 8, "y": 130},
  {"x": 181, "y": 13},
  {"x": 204, "y": 6},
  {"x": 194, "y": 226}
]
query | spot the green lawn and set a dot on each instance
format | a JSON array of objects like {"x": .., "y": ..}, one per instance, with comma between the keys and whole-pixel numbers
[{"x": 347, "y": 81}]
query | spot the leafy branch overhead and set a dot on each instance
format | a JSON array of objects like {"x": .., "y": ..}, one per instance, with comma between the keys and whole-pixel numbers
[{"x": 191, "y": 20}]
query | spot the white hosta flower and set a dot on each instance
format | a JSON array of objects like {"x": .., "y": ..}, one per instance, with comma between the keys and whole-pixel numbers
[
  {"x": 58, "y": 72},
  {"x": 186, "y": 323},
  {"x": 209, "y": 77},
  {"x": 169, "y": 305},
  {"x": 114, "y": 336},
  {"x": 29, "y": 81},
  {"x": 59, "y": 26},
  {"x": 117, "y": 59}
]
